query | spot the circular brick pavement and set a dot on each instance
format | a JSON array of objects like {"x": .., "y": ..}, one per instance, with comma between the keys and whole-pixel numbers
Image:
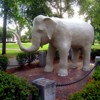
[{"x": 33, "y": 72}]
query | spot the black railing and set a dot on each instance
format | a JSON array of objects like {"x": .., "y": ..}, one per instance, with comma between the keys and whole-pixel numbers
[{"x": 66, "y": 84}]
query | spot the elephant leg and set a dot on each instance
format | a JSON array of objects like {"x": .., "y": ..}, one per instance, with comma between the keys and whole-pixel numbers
[
  {"x": 75, "y": 53},
  {"x": 86, "y": 59},
  {"x": 63, "y": 71},
  {"x": 49, "y": 59}
]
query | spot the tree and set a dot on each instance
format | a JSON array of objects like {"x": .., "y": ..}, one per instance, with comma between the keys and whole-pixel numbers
[
  {"x": 31, "y": 8},
  {"x": 62, "y": 6},
  {"x": 0, "y": 34},
  {"x": 7, "y": 10},
  {"x": 22, "y": 12},
  {"x": 91, "y": 11},
  {"x": 8, "y": 36}
]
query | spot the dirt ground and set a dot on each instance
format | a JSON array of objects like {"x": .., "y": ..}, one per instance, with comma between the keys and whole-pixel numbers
[{"x": 34, "y": 71}]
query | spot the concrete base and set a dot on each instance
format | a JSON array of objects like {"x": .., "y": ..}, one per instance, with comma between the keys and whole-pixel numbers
[
  {"x": 97, "y": 58},
  {"x": 42, "y": 58},
  {"x": 47, "y": 88}
]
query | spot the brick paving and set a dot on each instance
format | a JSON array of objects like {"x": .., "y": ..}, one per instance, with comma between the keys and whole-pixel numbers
[{"x": 33, "y": 72}]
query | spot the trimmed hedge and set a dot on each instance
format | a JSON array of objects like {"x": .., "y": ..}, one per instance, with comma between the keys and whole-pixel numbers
[
  {"x": 25, "y": 58},
  {"x": 14, "y": 88},
  {"x": 3, "y": 62},
  {"x": 94, "y": 53},
  {"x": 91, "y": 91},
  {"x": 96, "y": 74}
]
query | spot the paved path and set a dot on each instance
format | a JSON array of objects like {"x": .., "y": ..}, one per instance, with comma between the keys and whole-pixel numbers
[{"x": 12, "y": 61}]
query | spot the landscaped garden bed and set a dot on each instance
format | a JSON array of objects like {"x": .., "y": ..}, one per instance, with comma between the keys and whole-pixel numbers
[
  {"x": 91, "y": 91},
  {"x": 15, "y": 88},
  {"x": 34, "y": 71}
]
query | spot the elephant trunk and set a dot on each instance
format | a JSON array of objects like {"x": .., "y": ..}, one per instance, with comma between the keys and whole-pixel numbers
[{"x": 30, "y": 49}]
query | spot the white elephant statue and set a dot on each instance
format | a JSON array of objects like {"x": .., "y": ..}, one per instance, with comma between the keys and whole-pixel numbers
[{"x": 61, "y": 34}]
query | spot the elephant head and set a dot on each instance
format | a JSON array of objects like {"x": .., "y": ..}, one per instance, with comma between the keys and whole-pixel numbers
[{"x": 43, "y": 29}]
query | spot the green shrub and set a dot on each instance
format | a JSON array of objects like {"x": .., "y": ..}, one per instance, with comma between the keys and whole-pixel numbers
[
  {"x": 25, "y": 58},
  {"x": 13, "y": 88},
  {"x": 30, "y": 57},
  {"x": 3, "y": 62},
  {"x": 90, "y": 92},
  {"x": 94, "y": 53},
  {"x": 21, "y": 58},
  {"x": 96, "y": 74}
]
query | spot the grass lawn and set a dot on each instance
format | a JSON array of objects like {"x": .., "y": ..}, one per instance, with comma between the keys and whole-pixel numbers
[
  {"x": 45, "y": 47},
  {"x": 11, "y": 53},
  {"x": 11, "y": 46},
  {"x": 15, "y": 45},
  {"x": 96, "y": 46}
]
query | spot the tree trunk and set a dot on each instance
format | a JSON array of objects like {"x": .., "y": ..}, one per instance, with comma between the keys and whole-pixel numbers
[
  {"x": 4, "y": 32},
  {"x": 18, "y": 28}
]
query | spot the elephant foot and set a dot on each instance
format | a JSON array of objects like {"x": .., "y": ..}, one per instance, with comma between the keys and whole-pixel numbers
[
  {"x": 74, "y": 66},
  {"x": 86, "y": 68},
  {"x": 63, "y": 72},
  {"x": 48, "y": 69}
]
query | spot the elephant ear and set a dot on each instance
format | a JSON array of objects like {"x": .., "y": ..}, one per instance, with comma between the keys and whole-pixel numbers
[{"x": 50, "y": 26}]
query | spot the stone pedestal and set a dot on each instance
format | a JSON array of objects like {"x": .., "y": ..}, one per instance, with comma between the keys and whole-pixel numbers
[
  {"x": 47, "y": 88},
  {"x": 42, "y": 58},
  {"x": 97, "y": 58}
]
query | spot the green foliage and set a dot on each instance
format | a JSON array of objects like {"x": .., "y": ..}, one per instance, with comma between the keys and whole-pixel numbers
[
  {"x": 10, "y": 7},
  {"x": 96, "y": 74},
  {"x": 97, "y": 36},
  {"x": 91, "y": 91},
  {"x": 14, "y": 88},
  {"x": 24, "y": 58},
  {"x": 22, "y": 12},
  {"x": 34, "y": 8},
  {"x": 3, "y": 62},
  {"x": 13, "y": 10},
  {"x": 45, "y": 47},
  {"x": 12, "y": 46},
  {"x": 95, "y": 52},
  {"x": 9, "y": 34},
  {"x": 96, "y": 46},
  {"x": 91, "y": 8},
  {"x": 24, "y": 38},
  {"x": 62, "y": 6}
]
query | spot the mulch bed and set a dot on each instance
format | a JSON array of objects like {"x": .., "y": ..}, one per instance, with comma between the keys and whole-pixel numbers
[{"x": 33, "y": 72}]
